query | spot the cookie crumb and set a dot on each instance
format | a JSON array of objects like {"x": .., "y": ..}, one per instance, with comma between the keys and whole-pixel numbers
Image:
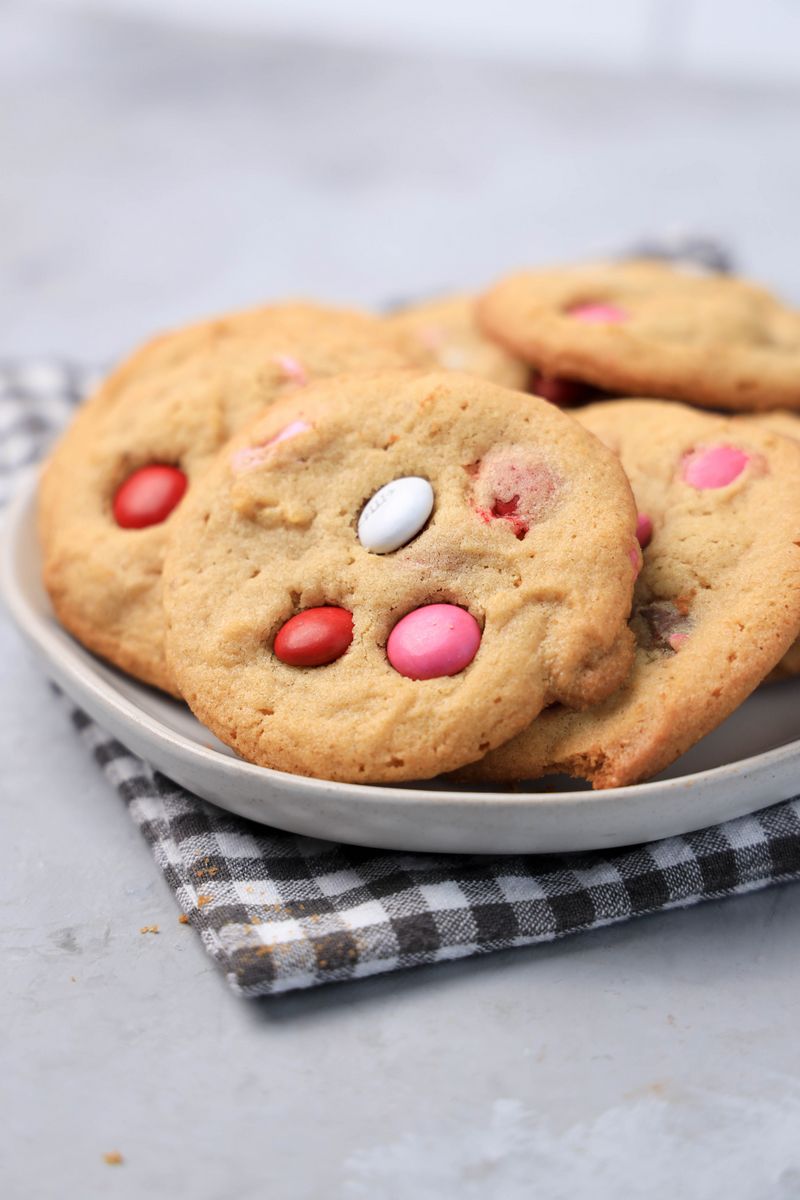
[
  {"x": 183, "y": 919},
  {"x": 203, "y": 900},
  {"x": 149, "y": 929},
  {"x": 113, "y": 1158}
]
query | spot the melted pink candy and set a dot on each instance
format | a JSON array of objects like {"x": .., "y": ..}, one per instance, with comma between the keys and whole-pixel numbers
[
  {"x": 635, "y": 556},
  {"x": 254, "y": 456},
  {"x": 715, "y": 467},
  {"x": 598, "y": 314},
  {"x": 519, "y": 493},
  {"x": 436, "y": 640},
  {"x": 510, "y": 510},
  {"x": 676, "y": 640},
  {"x": 644, "y": 530},
  {"x": 292, "y": 368}
]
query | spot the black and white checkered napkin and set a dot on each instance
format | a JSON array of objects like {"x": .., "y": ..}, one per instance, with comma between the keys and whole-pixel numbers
[{"x": 278, "y": 911}]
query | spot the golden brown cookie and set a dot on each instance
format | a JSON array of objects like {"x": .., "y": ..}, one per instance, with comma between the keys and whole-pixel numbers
[
  {"x": 150, "y": 428},
  {"x": 446, "y": 334},
  {"x": 389, "y": 575},
  {"x": 648, "y": 329},
  {"x": 787, "y": 424},
  {"x": 717, "y": 602}
]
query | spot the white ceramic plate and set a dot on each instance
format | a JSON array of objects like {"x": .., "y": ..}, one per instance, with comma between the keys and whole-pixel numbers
[{"x": 749, "y": 762}]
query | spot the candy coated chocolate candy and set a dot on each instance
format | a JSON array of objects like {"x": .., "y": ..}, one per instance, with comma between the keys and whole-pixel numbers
[
  {"x": 598, "y": 314},
  {"x": 644, "y": 530},
  {"x": 713, "y": 467},
  {"x": 314, "y": 637},
  {"x": 248, "y": 458},
  {"x": 292, "y": 368},
  {"x": 395, "y": 514},
  {"x": 148, "y": 496},
  {"x": 439, "y": 639},
  {"x": 566, "y": 393}
]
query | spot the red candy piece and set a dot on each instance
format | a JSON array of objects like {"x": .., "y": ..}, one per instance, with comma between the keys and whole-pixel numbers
[
  {"x": 509, "y": 510},
  {"x": 314, "y": 637},
  {"x": 148, "y": 496},
  {"x": 565, "y": 393}
]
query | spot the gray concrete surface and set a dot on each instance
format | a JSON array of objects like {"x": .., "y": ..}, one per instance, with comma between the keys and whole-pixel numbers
[{"x": 149, "y": 177}]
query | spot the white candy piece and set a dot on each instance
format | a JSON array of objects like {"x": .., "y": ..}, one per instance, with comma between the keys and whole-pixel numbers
[{"x": 395, "y": 514}]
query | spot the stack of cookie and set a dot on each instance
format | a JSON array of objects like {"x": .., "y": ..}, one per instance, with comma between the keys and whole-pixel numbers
[{"x": 448, "y": 541}]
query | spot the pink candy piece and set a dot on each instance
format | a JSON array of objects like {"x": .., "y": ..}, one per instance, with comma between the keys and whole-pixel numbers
[
  {"x": 598, "y": 314},
  {"x": 292, "y": 368},
  {"x": 431, "y": 336},
  {"x": 289, "y": 431},
  {"x": 677, "y": 640},
  {"x": 635, "y": 555},
  {"x": 436, "y": 640},
  {"x": 251, "y": 457},
  {"x": 714, "y": 467},
  {"x": 644, "y": 530}
]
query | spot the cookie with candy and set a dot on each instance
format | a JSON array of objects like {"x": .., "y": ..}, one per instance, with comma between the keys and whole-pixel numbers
[
  {"x": 388, "y": 575},
  {"x": 717, "y": 602},
  {"x": 112, "y": 484},
  {"x": 787, "y": 424},
  {"x": 647, "y": 328},
  {"x": 446, "y": 333}
]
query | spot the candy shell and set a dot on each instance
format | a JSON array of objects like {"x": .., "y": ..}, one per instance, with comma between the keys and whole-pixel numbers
[
  {"x": 644, "y": 530},
  {"x": 395, "y": 514},
  {"x": 148, "y": 496},
  {"x": 713, "y": 467},
  {"x": 598, "y": 314},
  {"x": 566, "y": 393},
  {"x": 314, "y": 637},
  {"x": 436, "y": 640}
]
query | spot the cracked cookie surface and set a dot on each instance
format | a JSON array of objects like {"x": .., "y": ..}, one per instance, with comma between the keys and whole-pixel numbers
[
  {"x": 311, "y": 641},
  {"x": 716, "y": 605}
]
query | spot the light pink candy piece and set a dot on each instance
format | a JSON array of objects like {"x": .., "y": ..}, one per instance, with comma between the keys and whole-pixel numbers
[
  {"x": 598, "y": 314},
  {"x": 292, "y": 368},
  {"x": 715, "y": 467},
  {"x": 254, "y": 456},
  {"x": 431, "y": 336},
  {"x": 644, "y": 530},
  {"x": 676, "y": 640},
  {"x": 436, "y": 640},
  {"x": 635, "y": 555},
  {"x": 289, "y": 431}
]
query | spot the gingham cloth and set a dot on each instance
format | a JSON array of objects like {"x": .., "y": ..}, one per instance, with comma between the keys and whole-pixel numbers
[{"x": 278, "y": 911}]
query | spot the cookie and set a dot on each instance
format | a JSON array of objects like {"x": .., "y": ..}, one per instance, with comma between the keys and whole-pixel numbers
[
  {"x": 717, "y": 602},
  {"x": 392, "y": 574},
  {"x": 446, "y": 334},
  {"x": 112, "y": 483},
  {"x": 787, "y": 424},
  {"x": 650, "y": 329}
]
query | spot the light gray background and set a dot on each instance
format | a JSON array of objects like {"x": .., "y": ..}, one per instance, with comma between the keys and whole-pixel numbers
[{"x": 150, "y": 175}]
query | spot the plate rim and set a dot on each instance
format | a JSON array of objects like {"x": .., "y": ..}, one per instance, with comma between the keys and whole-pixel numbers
[{"x": 68, "y": 657}]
